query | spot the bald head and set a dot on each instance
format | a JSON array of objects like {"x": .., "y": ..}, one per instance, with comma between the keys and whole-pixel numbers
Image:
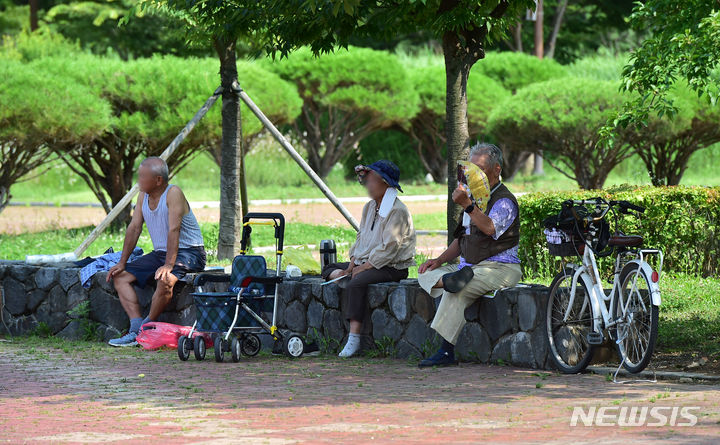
[
  {"x": 153, "y": 175},
  {"x": 157, "y": 167}
]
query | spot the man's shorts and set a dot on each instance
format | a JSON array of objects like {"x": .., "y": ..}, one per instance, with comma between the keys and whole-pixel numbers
[{"x": 190, "y": 259}]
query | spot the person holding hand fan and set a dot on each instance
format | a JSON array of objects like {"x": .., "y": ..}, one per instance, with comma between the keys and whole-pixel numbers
[{"x": 486, "y": 241}]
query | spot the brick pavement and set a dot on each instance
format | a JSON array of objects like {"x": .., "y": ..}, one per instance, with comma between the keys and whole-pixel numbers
[{"x": 62, "y": 392}]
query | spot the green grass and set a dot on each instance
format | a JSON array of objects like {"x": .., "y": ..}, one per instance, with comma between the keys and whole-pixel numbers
[
  {"x": 271, "y": 174},
  {"x": 15, "y": 247},
  {"x": 690, "y": 314}
]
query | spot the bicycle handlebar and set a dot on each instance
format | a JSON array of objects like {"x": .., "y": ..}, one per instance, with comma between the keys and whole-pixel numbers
[{"x": 625, "y": 207}]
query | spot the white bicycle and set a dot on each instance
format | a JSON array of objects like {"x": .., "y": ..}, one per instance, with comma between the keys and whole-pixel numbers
[{"x": 579, "y": 312}]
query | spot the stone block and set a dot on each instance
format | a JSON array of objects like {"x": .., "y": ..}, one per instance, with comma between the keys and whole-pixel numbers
[
  {"x": 385, "y": 325},
  {"x": 473, "y": 344}
]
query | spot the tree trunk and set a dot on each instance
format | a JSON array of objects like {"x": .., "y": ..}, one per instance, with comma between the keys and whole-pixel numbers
[
  {"x": 230, "y": 212},
  {"x": 559, "y": 14},
  {"x": 538, "y": 164},
  {"x": 517, "y": 35},
  {"x": 4, "y": 197},
  {"x": 461, "y": 49},
  {"x": 539, "y": 19},
  {"x": 539, "y": 53},
  {"x": 33, "y": 14},
  {"x": 457, "y": 70}
]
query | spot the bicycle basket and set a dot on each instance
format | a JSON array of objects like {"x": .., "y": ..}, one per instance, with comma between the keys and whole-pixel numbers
[
  {"x": 573, "y": 231},
  {"x": 574, "y": 247}
]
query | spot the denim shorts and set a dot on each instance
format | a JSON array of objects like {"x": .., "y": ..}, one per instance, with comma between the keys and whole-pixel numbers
[{"x": 190, "y": 259}]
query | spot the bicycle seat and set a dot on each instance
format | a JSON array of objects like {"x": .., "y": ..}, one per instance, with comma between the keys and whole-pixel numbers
[{"x": 625, "y": 240}]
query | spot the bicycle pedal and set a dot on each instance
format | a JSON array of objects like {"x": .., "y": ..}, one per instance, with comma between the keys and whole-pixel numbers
[{"x": 595, "y": 338}]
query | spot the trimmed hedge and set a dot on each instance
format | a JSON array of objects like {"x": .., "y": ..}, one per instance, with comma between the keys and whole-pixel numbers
[{"x": 684, "y": 222}]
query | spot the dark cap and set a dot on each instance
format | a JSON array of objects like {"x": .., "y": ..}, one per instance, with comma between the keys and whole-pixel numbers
[{"x": 386, "y": 169}]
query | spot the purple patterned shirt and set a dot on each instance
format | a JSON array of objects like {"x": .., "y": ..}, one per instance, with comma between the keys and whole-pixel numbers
[{"x": 502, "y": 213}]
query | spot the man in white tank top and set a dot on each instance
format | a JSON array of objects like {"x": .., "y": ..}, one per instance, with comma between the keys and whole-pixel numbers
[{"x": 177, "y": 246}]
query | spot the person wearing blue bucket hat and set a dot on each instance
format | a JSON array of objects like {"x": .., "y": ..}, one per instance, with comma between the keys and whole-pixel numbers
[{"x": 383, "y": 251}]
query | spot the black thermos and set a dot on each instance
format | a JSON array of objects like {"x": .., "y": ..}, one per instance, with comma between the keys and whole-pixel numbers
[{"x": 328, "y": 252}]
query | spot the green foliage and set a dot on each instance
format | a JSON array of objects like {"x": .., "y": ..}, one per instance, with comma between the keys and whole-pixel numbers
[
  {"x": 683, "y": 45},
  {"x": 131, "y": 109},
  {"x": 392, "y": 145},
  {"x": 95, "y": 25},
  {"x": 598, "y": 67},
  {"x": 26, "y": 46},
  {"x": 516, "y": 70},
  {"x": 563, "y": 117},
  {"x": 675, "y": 218},
  {"x": 326, "y": 344},
  {"x": 13, "y": 18},
  {"x": 666, "y": 144},
  {"x": 89, "y": 328},
  {"x": 385, "y": 347},
  {"x": 42, "y": 330},
  {"x": 427, "y": 127},
  {"x": 347, "y": 96},
  {"x": 357, "y": 79}
]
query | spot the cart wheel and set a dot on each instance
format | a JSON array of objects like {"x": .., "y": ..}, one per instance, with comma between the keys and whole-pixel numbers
[
  {"x": 294, "y": 346},
  {"x": 251, "y": 345},
  {"x": 184, "y": 347},
  {"x": 235, "y": 347},
  {"x": 199, "y": 348},
  {"x": 219, "y": 350}
]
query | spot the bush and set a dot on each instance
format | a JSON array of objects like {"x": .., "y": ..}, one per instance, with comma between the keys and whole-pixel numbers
[
  {"x": 427, "y": 127},
  {"x": 347, "y": 96},
  {"x": 149, "y": 101},
  {"x": 516, "y": 70},
  {"x": 666, "y": 144},
  {"x": 683, "y": 222},
  {"x": 392, "y": 145},
  {"x": 599, "y": 67},
  {"x": 36, "y": 112},
  {"x": 563, "y": 117}
]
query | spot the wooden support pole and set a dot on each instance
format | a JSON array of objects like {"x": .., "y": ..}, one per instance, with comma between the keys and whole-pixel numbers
[
  {"x": 299, "y": 159},
  {"x": 135, "y": 188}
]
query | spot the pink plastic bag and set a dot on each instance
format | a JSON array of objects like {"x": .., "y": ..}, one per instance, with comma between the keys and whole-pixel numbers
[{"x": 156, "y": 334}]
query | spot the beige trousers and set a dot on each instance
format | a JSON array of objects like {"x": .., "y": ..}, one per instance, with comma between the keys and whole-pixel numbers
[{"x": 450, "y": 316}]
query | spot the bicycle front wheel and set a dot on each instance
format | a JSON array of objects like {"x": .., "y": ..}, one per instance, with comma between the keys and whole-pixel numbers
[
  {"x": 567, "y": 335},
  {"x": 637, "y": 319}
]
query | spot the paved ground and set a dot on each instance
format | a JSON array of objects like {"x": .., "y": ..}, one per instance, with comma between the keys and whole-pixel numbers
[{"x": 54, "y": 392}]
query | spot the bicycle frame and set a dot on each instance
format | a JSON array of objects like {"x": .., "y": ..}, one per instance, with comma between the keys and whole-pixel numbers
[{"x": 599, "y": 300}]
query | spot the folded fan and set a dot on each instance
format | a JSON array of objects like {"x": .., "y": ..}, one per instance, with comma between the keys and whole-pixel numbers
[{"x": 476, "y": 183}]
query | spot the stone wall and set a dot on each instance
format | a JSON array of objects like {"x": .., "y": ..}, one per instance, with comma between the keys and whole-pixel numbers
[
  {"x": 507, "y": 328},
  {"x": 41, "y": 294}
]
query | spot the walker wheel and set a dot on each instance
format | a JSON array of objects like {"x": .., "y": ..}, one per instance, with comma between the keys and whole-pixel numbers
[
  {"x": 199, "y": 348},
  {"x": 184, "y": 347},
  {"x": 294, "y": 346},
  {"x": 235, "y": 348},
  {"x": 219, "y": 349},
  {"x": 251, "y": 345}
]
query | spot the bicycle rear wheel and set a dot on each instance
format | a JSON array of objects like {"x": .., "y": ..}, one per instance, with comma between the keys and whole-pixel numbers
[
  {"x": 637, "y": 319},
  {"x": 567, "y": 337}
]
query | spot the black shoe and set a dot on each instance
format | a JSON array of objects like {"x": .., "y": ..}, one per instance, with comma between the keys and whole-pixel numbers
[
  {"x": 441, "y": 358},
  {"x": 278, "y": 348},
  {"x": 455, "y": 281},
  {"x": 311, "y": 349}
]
